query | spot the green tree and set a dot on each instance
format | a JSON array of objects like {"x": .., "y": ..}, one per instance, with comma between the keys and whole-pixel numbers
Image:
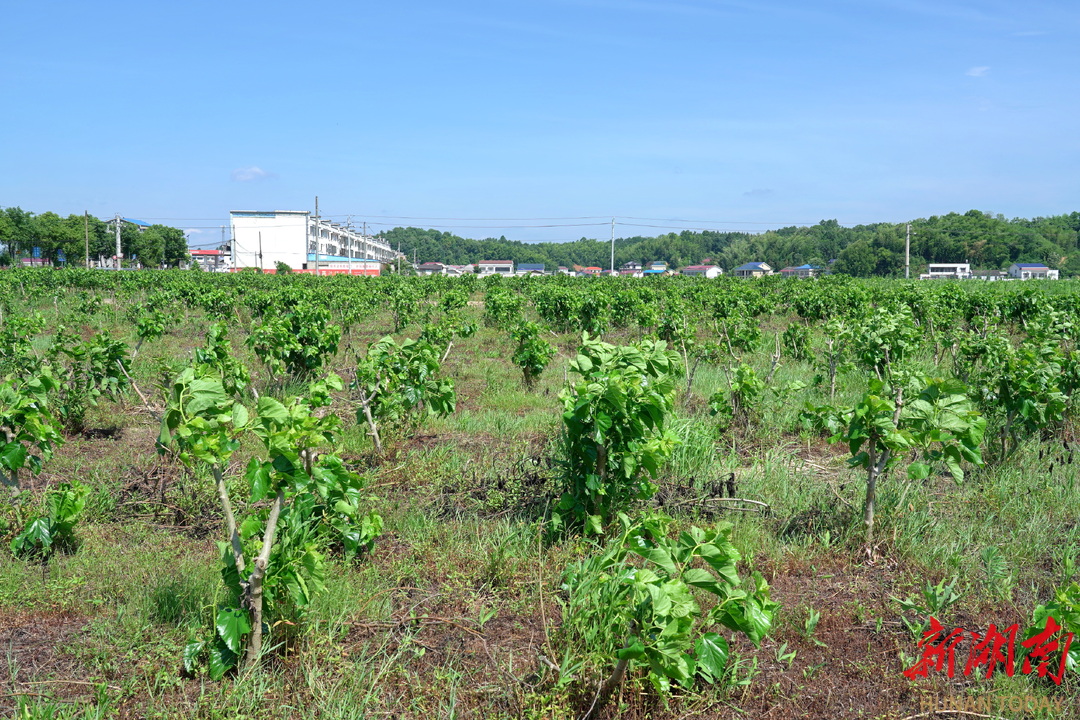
[
  {"x": 857, "y": 259},
  {"x": 175, "y": 245},
  {"x": 16, "y": 232},
  {"x": 147, "y": 248}
]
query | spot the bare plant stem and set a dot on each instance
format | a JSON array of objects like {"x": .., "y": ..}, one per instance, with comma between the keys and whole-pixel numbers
[
  {"x": 727, "y": 339},
  {"x": 775, "y": 360},
  {"x": 606, "y": 690},
  {"x": 254, "y": 599},
  {"x": 832, "y": 369},
  {"x": 877, "y": 465},
  {"x": 365, "y": 403},
  {"x": 230, "y": 519}
]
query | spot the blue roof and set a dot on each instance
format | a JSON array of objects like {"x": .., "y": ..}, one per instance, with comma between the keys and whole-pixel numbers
[
  {"x": 137, "y": 222},
  {"x": 752, "y": 266},
  {"x": 531, "y": 266},
  {"x": 1030, "y": 265},
  {"x": 808, "y": 267},
  {"x": 653, "y": 272}
]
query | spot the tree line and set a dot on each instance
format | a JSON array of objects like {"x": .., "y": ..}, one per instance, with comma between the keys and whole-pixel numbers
[
  {"x": 985, "y": 240},
  {"x": 65, "y": 239}
]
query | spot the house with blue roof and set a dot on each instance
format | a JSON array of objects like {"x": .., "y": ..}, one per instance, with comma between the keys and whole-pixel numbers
[
  {"x": 753, "y": 269},
  {"x": 802, "y": 271},
  {"x": 142, "y": 226},
  {"x": 1032, "y": 271}
]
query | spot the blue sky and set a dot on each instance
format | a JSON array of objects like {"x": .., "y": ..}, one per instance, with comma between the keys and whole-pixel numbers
[{"x": 725, "y": 115}]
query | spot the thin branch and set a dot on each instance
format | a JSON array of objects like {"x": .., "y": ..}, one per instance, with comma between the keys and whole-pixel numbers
[
  {"x": 775, "y": 361},
  {"x": 66, "y": 682},
  {"x": 946, "y": 711},
  {"x": 146, "y": 403}
]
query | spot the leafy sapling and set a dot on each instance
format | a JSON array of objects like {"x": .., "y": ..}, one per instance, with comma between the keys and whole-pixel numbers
[
  {"x": 647, "y": 614},
  {"x": 938, "y": 422},
  {"x": 304, "y": 501},
  {"x": 615, "y": 431},
  {"x": 28, "y": 430},
  {"x": 397, "y": 384},
  {"x": 737, "y": 403},
  {"x": 150, "y": 324},
  {"x": 532, "y": 352},
  {"x": 936, "y": 600},
  {"x": 53, "y": 530}
]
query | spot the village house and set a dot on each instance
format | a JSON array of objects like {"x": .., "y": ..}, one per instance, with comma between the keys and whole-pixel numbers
[
  {"x": 496, "y": 267},
  {"x": 753, "y": 269},
  {"x": 211, "y": 260},
  {"x": 430, "y": 268},
  {"x": 1032, "y": 271},
  {"x": 707, "y": 271},
  {"x": 989, "y": 275},
  {"x": 942, "y": 271},
  {"x": 802, "y": 271}
]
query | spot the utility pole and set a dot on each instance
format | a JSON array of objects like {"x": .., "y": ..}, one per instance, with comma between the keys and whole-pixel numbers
[
  {"x": 349, "y": 241},
  {"x": 217, "y": 258},
  {"x": 119, "y": 254},
  {"x": 612, "y": 246},
  {"x": 260, "y": 252},
  {"x": 232, "y": 245},
  {"x": 86, "y": 231},
  {"x": 318, "y": 235},
  {"x": 907, "y": 254}
]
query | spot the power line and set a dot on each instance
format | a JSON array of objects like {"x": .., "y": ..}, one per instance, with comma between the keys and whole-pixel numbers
[
  {"x": 545, "y": 221},
  {"x": 677, "y": 227},
  {"x": 722, "y": 222},
  {"x": 626, "y": 221},
  {"x": 505, "y": 227},
  {"x": 478, "y": 219}
]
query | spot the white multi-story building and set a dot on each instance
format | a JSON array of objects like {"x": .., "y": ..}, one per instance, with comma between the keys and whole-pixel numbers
[
  {"x": 496, "y": 267},
  {"x": 262, "y": 239},
  {"x": 935, "y": 271}
]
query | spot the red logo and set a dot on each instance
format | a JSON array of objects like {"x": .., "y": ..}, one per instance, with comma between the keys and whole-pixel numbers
[{"x": 990, "y": 649}]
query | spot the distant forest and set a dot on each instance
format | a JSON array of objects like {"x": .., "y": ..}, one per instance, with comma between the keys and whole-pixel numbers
[{"x": 987, "y": 241}]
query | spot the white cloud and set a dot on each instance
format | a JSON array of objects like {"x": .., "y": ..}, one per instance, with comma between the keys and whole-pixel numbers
[
  {"x": 977, "y": 71},
  {"x": 249, "y": 174}
]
